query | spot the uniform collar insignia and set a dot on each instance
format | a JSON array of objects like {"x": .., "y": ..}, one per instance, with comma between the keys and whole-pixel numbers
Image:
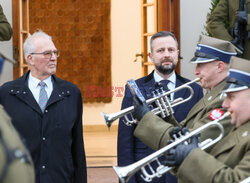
[
  {"x": 244, "y": 134},
  {"x": 210, "y": 98}
]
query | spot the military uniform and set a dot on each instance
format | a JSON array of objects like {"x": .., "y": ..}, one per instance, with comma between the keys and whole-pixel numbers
[
  {"x": 5, "y": 28},
  {"x": 217, "y": 162},
  {"x": 227, "y": 161},
  {"x": 154, "y": 132},
  {"x": 226, "y": 11},
  {"x": 15, "y": 162}
]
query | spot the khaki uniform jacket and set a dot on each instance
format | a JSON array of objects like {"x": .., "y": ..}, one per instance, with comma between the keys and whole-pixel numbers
[
  {"x": 5, "y": 28},
  {"x": 154, "y": 132},
  {"x": 226, "y": 11},
  {"x": 20, "y": 169},
  {"x": 228, "y": 161}
]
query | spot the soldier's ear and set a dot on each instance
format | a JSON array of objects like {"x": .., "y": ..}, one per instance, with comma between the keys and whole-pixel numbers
[{"x": 221, "y": 66}]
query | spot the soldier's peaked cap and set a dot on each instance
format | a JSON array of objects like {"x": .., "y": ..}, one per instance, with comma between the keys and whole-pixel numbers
[
  {"x": 238, "y": 75},
  {"x": 211, "y": 49}
]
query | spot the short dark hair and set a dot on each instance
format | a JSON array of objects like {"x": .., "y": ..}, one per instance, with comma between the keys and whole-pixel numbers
[{"x": 162, "y": 34}]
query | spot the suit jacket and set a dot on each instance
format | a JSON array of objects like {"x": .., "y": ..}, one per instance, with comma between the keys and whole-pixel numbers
[
  {"x": 154, "y": 132},
  {"x": 228, "y": 161},
  {"x": 226, "y": 11},
  {"x": 54, "y": 138},
  {"x": 130, "y": 148}
]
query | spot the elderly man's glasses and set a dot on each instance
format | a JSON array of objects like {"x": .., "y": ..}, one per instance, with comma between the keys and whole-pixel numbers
[{"x": 48, "y": 54}]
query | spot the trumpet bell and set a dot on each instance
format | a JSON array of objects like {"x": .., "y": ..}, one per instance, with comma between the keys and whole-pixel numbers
[
  {"x": 122, "y": 174},
  {"x": 107, "y": 119}
]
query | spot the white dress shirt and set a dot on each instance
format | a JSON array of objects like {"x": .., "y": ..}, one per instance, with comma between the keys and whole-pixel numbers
[{"x": 35, "y": 88}]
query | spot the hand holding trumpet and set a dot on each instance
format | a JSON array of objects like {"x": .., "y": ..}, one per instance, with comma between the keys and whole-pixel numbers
[
  {"x": 140, "y": 108},
  {"x": 177, "y": 154},
  {"x": 126, "y": 172}
]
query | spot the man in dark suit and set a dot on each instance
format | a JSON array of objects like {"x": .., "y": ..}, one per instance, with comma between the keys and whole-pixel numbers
[
  {"x": 164, "y": 54},
  {"x": 47, "y": 113}
]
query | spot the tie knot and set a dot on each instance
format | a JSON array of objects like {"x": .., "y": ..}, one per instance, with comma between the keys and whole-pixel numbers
[
  {"x": 164, "y": 82},
  {"x": 42, "y": 84}
]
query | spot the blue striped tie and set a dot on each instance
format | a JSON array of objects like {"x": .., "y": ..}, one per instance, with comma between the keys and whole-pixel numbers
[
  {"x": 43, "y": 97},
  {"x": 164, "y": 83}
]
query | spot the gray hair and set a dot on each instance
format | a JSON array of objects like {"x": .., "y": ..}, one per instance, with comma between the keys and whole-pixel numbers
[
  {"x": 28, "y": 45},
  {"x": 162, "y": 34}
]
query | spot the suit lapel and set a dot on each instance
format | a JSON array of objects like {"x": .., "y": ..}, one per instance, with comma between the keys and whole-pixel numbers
[
  {"x": 23, "y": 93},
  {"x": 180, "y": 94},
  {"x": 148, "y": 86},
  {"x": 59, "y": 91}
]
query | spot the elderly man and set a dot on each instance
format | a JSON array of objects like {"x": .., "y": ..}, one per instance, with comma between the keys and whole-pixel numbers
[
  {"x": 228, "y": 160},
  {"x": 47, "y": 113}
]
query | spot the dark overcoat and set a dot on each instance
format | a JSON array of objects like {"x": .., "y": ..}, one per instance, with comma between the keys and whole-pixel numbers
[
  {"x": 55, "y": 137},
  {"x": 130, "y": 148}
]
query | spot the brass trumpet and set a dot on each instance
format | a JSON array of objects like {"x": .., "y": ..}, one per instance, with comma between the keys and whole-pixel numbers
[
  {"x": 125, "y": 173},
  {"x": 164, "y": 106}
]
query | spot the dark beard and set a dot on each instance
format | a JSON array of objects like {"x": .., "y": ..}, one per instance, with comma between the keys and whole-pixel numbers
[{"x": 165, "y": 70}]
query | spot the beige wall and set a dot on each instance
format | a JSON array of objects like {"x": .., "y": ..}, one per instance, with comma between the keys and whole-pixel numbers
[
  {"x": 125, "y": 41},
  {"x": 193, "y": 19}
]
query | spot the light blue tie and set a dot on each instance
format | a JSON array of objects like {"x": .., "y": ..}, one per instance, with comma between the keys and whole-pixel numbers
[{"x": 43, "y": 97}]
